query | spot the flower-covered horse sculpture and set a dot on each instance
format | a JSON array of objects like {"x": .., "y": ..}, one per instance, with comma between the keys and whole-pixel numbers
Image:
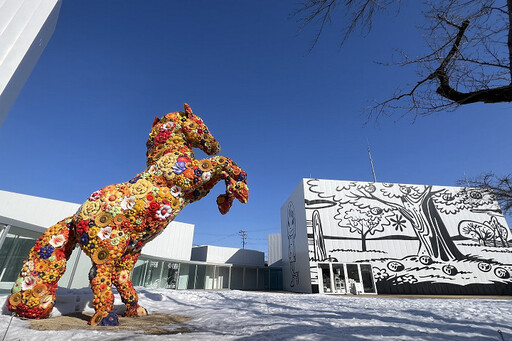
[{"x": 115, "y": 222}]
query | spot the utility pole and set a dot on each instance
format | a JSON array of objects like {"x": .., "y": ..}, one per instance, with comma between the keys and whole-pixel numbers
[{"x": 244, "y": 236}]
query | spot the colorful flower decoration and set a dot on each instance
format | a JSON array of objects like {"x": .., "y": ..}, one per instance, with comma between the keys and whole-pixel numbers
[{"x": 115, "y": 222}]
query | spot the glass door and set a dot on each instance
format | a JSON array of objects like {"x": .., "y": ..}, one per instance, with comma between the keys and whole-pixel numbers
[
  {"x": 339, "y": 279},
  {"x": 368, "y": 281},
  {"x": 325, "y": 277},
  {"x": 354, "y": 281}
]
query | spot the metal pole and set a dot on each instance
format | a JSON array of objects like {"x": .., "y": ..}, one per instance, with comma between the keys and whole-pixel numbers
[
  {"x": 371, "y": 162},
  {"x": 5, "y": 232}
]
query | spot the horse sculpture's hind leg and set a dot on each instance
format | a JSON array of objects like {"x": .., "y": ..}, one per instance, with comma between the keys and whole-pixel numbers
[{"x": 121, "y": 279}]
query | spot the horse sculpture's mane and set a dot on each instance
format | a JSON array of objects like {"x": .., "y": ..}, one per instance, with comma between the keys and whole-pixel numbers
[{"x": 116, "y": 221}]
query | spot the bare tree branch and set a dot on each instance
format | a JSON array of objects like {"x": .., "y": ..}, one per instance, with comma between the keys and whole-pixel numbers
[
  {"x": 470, "y": 43},
  {"x": 501, "y": 187}
]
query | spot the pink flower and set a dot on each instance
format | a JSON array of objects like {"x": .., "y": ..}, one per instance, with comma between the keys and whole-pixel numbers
[
  {"x": 128, "y": 203},
  {"x": 167, "y": 126},
  {"x": 57, "y": 240},
  {"x": 96, "y": 195},
  {"x": 175, "y": 191},
  {"x": 164, "y": 212},
  {"x": 28, "y": 283},
  {"x": 105, "y": 232},
  {"x": 124, "y": 276}
]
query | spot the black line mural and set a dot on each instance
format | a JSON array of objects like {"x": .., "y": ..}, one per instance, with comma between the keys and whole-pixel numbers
[
  {"x": 292, "y": 233},
  {"x": 419, "y": 238}
]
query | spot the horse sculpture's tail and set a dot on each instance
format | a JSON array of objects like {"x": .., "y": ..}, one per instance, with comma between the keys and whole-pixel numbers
[{"x": 33, "y": 293}]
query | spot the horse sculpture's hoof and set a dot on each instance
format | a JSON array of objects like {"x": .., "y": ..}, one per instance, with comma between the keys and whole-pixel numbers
[
  {"x": 103, "y": 318},
  {"x": 136, "y": 311}
]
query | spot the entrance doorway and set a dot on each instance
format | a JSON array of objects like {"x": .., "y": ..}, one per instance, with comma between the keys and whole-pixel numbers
[{"x": 346, "y": 278}]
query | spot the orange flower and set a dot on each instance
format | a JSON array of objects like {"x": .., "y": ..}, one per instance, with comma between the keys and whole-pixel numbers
[
  {"x": 119, "y": 218},
  {"x": 96, "y": 319},
  {"x": 39, "y": 290},
  {"x": 189, "y": 173},
  {"x": 101, "y": 255},
  {"x": 103, "y": 219},
  {"x": 205, "y": 165},
  {"x": 15, "y": 299}
]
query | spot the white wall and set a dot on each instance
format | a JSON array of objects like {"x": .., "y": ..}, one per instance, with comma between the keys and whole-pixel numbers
[
  {"x": 296, "y": 268},
  {"x": 175, "y": 242},
  {"x": 35, "y": 210},
  {"x": 229, "y": 255},
  {"x": 275, "y": 250},
  {"x": 26, "y": 26}
]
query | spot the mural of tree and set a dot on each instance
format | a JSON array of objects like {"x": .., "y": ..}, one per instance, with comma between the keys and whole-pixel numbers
[
  {"x": 488, "y": 233},
  {"x": 419, "y": 205},
  {"x": 361, "y": 221}
]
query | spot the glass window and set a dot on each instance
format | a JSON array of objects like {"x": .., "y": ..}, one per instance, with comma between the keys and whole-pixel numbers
[
  {"x": 326, "y": 277},
  {"x": 339, "y": 278},
  {"x": 221, "y": 277},
  {"x": 184, "y": 272},
  {"x": 191, "y": 276},
  {"x": 367, "y": 275},
  {"x": 153, "y": 274},
  {"x": 209, "y": 277},
  {"x": 171, "y": 275},
  {"x": 200, "y": 274},
  {"x": 138, "y": 272},
  {"x": 353, "y": 272},
  {"x": 13, "y": 253}
]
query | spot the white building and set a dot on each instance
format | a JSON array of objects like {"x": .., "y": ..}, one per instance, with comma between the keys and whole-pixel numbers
[
  {"x": 169, "y": 261},
  {"x": 26, "y": 26},
  {"x": 368, "y": 238}
]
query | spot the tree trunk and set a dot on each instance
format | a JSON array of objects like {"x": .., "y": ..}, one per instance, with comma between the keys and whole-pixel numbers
[
  {"x": 363, "y": 241},
  {"x": 430, "y": 229},
  {"x": 442, "y": 244}
]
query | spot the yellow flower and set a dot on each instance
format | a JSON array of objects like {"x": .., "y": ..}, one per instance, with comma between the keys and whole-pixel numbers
[
  {"x": 141, "y": 188},
  {"x": 164, "y": 192},
  {"x": 166, "y": 162},
  {"x": 139, "y": 206},
  {"x": 89, "y": 209}
]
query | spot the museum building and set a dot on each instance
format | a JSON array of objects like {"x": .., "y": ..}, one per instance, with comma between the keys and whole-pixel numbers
[
  {"x": 169, "y": 261},
  {"x": 349, "y": 237}
]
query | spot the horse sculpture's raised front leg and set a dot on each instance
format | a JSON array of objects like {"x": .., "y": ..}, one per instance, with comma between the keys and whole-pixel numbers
[{"x": 220, "y": 168}]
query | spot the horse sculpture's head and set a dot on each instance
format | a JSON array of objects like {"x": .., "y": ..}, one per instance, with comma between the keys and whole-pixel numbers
[
  {"x": 196, "y": 132},
  {"x": 180, "y": 131}
]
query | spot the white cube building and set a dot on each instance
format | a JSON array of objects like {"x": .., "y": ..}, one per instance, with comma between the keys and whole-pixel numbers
[{"x": 368, "y": 238}]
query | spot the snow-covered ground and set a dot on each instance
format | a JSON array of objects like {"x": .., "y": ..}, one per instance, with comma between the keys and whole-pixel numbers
[{"x": 238, "y": 315}]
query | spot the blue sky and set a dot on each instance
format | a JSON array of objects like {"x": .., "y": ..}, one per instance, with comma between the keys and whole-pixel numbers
[{"x": 82, "y": 119}]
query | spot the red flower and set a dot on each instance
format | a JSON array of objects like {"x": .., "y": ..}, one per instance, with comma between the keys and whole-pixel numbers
[
  {"x": 60, "y": 254},
  {"x": 184, "y": 159},
  {"x": 37, "y": 247},
  {"x": 162, "y": 137},
  {"x": 154, "y": 206},
  {"x": 150, "y": 197}
]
